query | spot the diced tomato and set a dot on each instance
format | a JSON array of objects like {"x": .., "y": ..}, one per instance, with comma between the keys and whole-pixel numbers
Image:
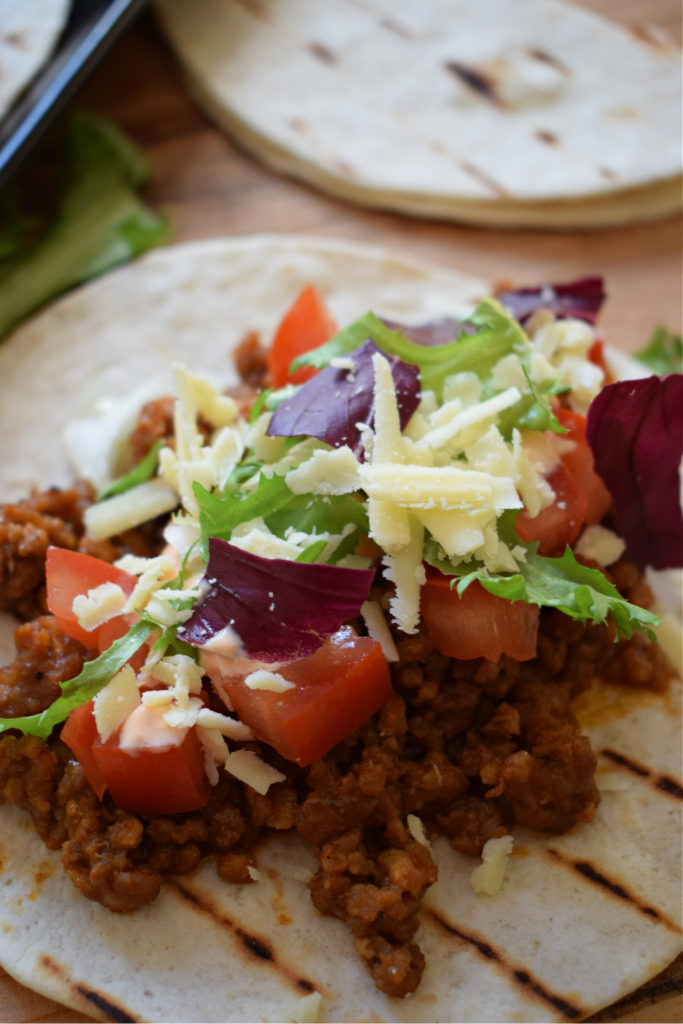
[
  {"x": 79, "y": 733},
  {"x": 336, "y": 689},
  {"x": 596, "y": 355},
  {"x": 147, "y": 779},
  {"x": 581, "y": 497},
  {"x": 306, "y": 325},
  {"x": 70, "y": 573},
  {"x": 579, "y": 462},
  {"x": 558, "y": 524},
  {"x": 478, "y": 624}
]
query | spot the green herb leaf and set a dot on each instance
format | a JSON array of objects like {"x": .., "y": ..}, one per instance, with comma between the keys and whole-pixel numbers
[
  {"x": 663, "y": 352},
  {"x": 144, "y": 471},
  {"x": 99, "y": 221},
  {"x": 93, "y": 677}
]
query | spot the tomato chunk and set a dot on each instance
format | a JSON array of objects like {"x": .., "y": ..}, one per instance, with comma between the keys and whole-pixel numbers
[
  {"x": 558, "y": 524},
  {"x": 70, "y": 573},
  {"x": 336, "y": 689},
  {"x": 147, "y": 779},
  {"x": 306, "y": 325},
  {"x": 478, "y": 624},
  {"x": 79, "y": 733},
  {"x": 579, "y": 463}
]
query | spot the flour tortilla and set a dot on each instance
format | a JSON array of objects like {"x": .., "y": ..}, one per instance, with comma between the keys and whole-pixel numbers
[
  {"x": 29, "y": 30},
  {"x": 581, "y": 127},
  {"x": 553, "y": 945}
]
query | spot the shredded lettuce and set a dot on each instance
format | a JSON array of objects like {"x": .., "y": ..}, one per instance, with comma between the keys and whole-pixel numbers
[
  {"x": 98, "y": 222},
  {"x": 83, "y": 687},
  {"x": 663, "y": 352}
]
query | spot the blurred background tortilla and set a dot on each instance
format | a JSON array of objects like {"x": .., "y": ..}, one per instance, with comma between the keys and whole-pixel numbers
[
  {"x": 29, "y": 30},
  {"x": 504, "y": 112}
]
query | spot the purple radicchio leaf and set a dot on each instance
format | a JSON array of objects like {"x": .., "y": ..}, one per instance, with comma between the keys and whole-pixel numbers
[
  {"x": 431, "y": 334},
  {"x": 330, "y": 404},
  {"x": 635, "y": 431},
  {"x": 581, "y": 299},
  {"x": 280, "y": 610}
]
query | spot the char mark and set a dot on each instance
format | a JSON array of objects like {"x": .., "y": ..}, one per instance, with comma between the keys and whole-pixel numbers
[
  {"x": 549, "y": 138},
  {"x": 475, "y": 80},
  {"x": 664, "y": 783},
  {"x": 549, "y": 58},
  {"x": 105, "y": 1005},
  {"x": 518, "y": 974},
  {"x": 253, "y": 944},
  {"x": 615, "y": 888},
  {"x": 322, "y": 53},
  {"x": 394, "y": 26},
  {"x": 484, "y": 179}
]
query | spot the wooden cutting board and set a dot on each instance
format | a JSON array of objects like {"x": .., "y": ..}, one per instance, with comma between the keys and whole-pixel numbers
[{"x": 211, "y": 188}]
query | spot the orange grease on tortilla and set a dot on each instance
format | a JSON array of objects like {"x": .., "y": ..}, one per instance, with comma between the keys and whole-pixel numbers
[
  {"x": 607, "y": 701},
  {"x": 519, "y": 851}
]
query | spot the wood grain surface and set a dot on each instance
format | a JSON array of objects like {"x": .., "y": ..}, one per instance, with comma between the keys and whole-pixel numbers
[{"x": 211, "y": 188}]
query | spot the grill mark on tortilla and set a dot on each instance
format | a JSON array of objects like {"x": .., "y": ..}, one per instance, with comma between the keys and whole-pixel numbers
[
  {"x": 519, "y": 974},
  {"x": 548, "y": 137},
  {"x": 615, "y": 888},
  {"x": 549, "y": 58},
  {"x": 103, "y": 1003},
  {"x": 484, "y": 179},
  {"x": 394, "y": 26},
  {"x": 322, "y": 53},
  {"x": 664, "y": 783},
  {"x": 255, "y": 8},
  {"x": 643, "y": 34},
  {"x": 475, "y": 80},
  {"x": 254, "y": 945}
]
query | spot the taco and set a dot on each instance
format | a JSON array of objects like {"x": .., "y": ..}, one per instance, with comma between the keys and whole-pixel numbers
[
  {"x": 28, "y": 34},
  {"x": 537, "y": 113},
  {"x": 367, "y": 909}
]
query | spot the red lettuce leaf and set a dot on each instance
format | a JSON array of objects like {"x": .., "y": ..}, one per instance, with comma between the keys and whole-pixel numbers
[
  {"x": 635, "y": 431},
  {"x": 432, "y": 333},
  {"x": 581, "y": 299},
  {"x": 331, "y": 404},
  {"x": 280, "y": 610}
]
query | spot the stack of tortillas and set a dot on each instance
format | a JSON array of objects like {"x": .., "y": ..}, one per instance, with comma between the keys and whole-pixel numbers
[
  {"x": 28, "y": 31},
  {"x": 503, "y": 112}
]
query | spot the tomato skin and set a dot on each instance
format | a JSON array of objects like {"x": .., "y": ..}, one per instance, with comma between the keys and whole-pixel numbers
[
  {"x": 338, "y": 687},
  {"x": 79, "y": 733},
  {"x": 147, "y": 780},
  {"x": 306, "y": 325},
  {"x": 478, "y": 624},
  {"x": 150, "y": 780},
  {"x": 579, "y": 463},
  {"x": 70, "y": 573},
  {"x": 558, "y": 524}
]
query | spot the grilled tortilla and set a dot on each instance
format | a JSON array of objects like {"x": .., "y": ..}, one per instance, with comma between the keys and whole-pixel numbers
[
  {"x": 28, "y": 32},
  {"x": 581, "y": 920},
  {"x": 535, "y": 113}
]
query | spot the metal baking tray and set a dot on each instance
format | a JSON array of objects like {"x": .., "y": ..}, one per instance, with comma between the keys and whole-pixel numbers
[{"x": 92, "y": 27}]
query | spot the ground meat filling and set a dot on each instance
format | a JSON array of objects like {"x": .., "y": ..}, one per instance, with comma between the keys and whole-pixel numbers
[{"x": 470, "y": 748}]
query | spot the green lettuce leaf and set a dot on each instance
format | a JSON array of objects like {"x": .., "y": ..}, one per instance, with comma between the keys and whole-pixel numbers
[
  {"x": 496, "y": 335},
  {"x": 281, "y": 509},
  {"x": 144, "y": 471},
  {"x": 83, "y": 687},
  {"x": 663, "y": 352},
  {"x": 98, "y": 222},
  {"x": 563, "y": 583}
]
